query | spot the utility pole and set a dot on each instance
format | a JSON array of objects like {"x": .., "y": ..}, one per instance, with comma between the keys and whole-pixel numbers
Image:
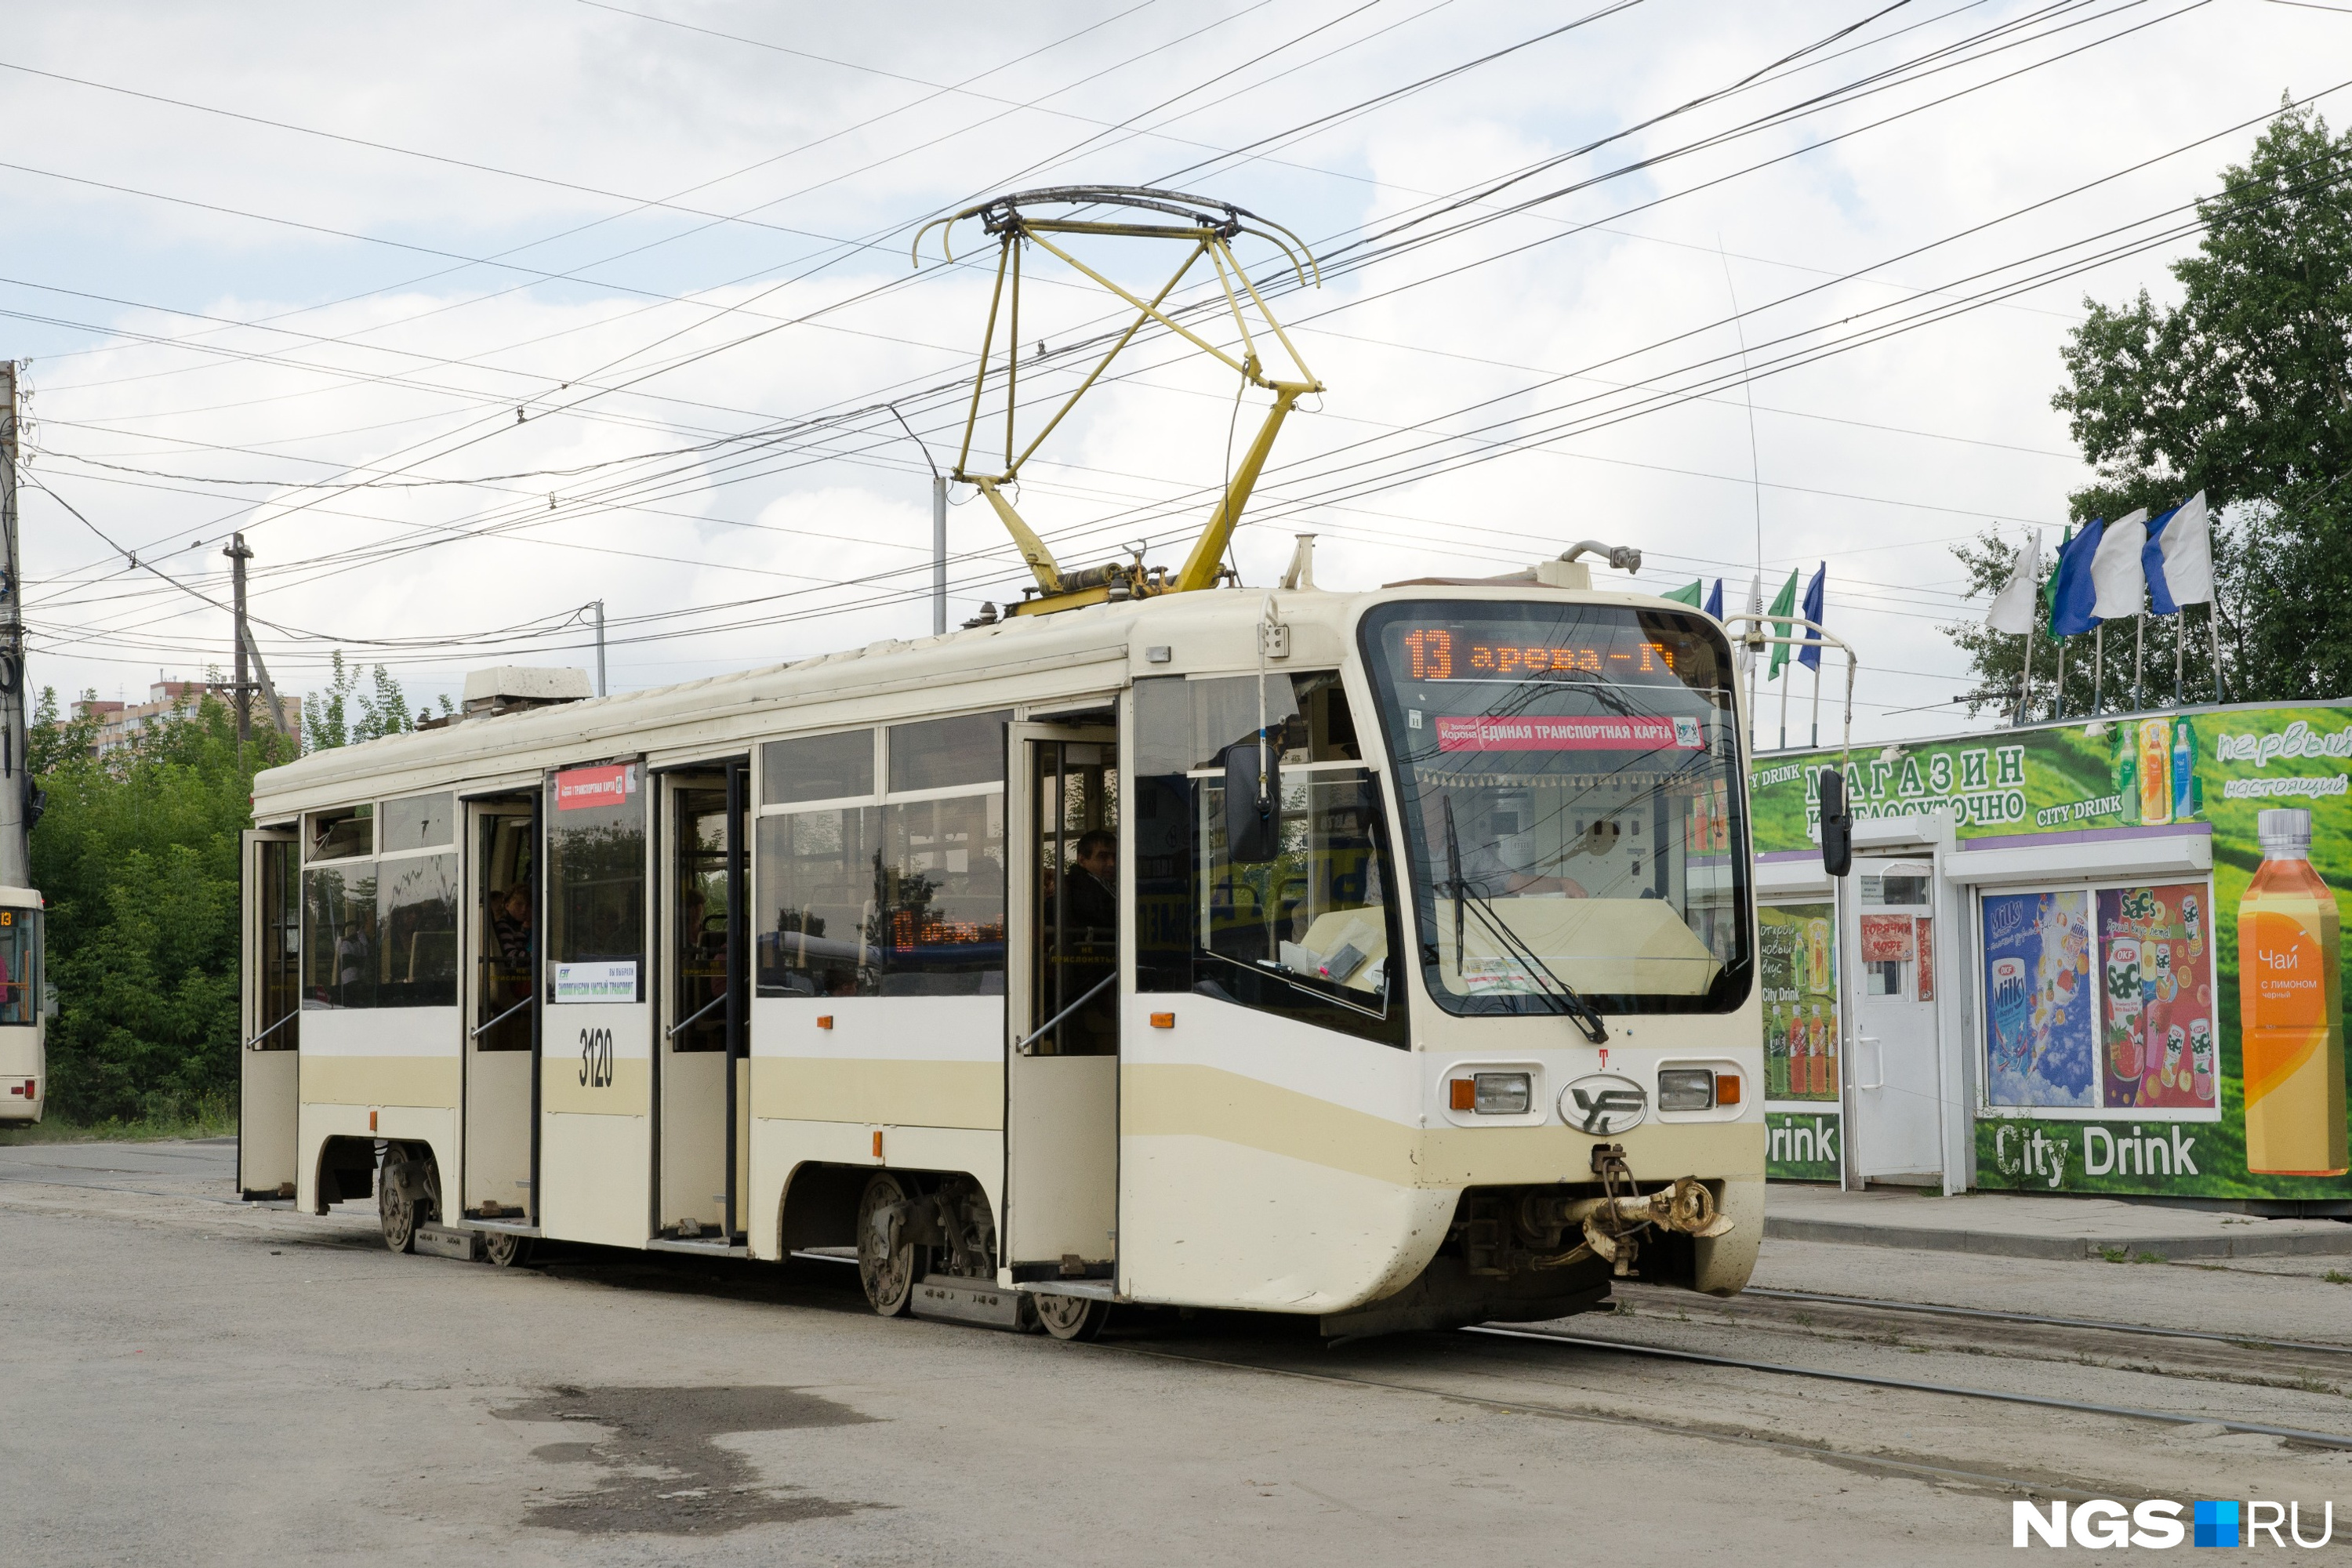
[
  {"x": 237, "y": 556},
  {"x": 939, "y": 555},
  {"x": 15, "y": 779},
  {"x": 599, "y": 607}
]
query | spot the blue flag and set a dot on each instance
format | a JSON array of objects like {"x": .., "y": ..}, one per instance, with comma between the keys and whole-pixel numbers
[
  {"x": 1809, "y": 656},
  {"x": 1715, "y": 600},
  {"x": 2071, "y": 601}
]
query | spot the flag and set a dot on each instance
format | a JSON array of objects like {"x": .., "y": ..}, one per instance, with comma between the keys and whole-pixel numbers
[
  {"x": 1685, "y": 595},
  {"x": 1815, "y": 590},
  {"x": 2118, "y": 582},
  {"x": 1715, "y": 600},
  {"x": 1784, "y": 603},
  {"x": 2178, "y": 557},
  {"x": 1747, "y": 658},
  {"x": 2050, "y": 589},
  {"x": 2071, "y": 597},
  {"x": 2012, "y": 607}
]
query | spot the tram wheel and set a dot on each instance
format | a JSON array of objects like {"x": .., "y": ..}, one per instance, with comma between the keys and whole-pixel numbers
[
  {"x": 888, "y": 1273},
  {"x": 1072, "y": 1317},
  {"x": 504, "y": 1249},
  {"x": 399, "y": 1193}
]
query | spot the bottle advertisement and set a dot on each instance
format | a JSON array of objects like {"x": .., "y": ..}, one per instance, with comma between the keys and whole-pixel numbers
[
  {"x": 2153, "y": 1030},
  {"x": 1799, "y": 976}
]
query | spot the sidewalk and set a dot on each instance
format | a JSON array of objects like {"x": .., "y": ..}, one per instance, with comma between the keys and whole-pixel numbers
[{"x": 2011, "y": 1224}]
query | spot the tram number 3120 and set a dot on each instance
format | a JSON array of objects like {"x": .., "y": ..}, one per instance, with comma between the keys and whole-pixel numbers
[{"x": 597, "y": 1057}]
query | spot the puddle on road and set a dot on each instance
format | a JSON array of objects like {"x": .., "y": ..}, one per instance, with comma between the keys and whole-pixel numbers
[{"x": 664, "y": 1473}]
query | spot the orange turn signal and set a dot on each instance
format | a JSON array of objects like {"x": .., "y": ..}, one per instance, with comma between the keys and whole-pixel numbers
[
  {"x": 1461, "y": 1094},
  {"x": 878, "y": 1146},
  {"x": 825, "y": 1020},
  {"x": 370, "y": 1121},
  {"x": 1163, "y": 1020},
  {"x": 1727, "y": 1089}
]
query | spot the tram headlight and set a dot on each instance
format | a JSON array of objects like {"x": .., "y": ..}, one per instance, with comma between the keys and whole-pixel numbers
[
  {"x": 1503, "y": 1094},
  {"x": 1685, "y": 1088}
]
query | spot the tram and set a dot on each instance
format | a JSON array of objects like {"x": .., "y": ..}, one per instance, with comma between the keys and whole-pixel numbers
[
  {"x": 24, "y": 1009},
  {"x": 1387, "y": 957}
]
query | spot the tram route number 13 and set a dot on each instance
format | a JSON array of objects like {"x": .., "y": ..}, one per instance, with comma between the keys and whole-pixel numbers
[{"x": 596, "y": 1058}]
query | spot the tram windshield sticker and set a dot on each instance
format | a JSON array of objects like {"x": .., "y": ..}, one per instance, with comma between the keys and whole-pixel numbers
[
  {"x": 578, "y": 789},
  {"x": 1607, "y": 734},
  {"x": 2038, "y": 998},
  {"x": 604, "y": 982}
]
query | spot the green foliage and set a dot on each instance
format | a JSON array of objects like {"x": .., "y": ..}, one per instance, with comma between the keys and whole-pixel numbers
[
  {"x": 382, "y": 708},
  {"x": 2243, "y": 390},
  {"x": 137, "y": 856}
]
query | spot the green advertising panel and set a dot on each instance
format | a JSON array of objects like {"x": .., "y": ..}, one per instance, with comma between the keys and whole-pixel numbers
[
  {"x": 1801, "y": 1146},
  {"x": 2168, "y": 1034}
]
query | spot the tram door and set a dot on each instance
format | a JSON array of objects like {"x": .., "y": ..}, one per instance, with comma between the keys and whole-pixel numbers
[
  {"x": 501, "y": 1011},
  {"x": 1062, "y": 1012},
  {"x": 268, "y": 1099},
  {"x": 704, "y": 1095}
]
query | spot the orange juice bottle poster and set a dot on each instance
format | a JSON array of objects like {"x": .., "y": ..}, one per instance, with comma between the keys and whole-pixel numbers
[
  {"x": 2159, "y": 999},
  {"x": 2291, "y": 1008}
]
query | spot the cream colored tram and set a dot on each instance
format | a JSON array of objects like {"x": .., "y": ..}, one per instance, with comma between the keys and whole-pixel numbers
[
  {"x": 24, "y": 1009},
  {"x": 1387, "y": 957}
]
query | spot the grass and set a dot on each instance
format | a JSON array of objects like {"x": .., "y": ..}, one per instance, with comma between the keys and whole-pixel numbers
[
  {"x": 212, "y": 1117},
  {"x": 2337, "y": 1276}
]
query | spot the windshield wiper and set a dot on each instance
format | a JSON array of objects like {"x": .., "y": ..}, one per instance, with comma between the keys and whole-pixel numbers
[{"x": 1568, "y": 1000}]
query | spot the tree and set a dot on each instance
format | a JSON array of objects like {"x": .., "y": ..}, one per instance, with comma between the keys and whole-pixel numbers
[
  {"x": 2243, "y": 390},
  {"x": 382, "y": 707},
  {"x": 137, "y": 856}
]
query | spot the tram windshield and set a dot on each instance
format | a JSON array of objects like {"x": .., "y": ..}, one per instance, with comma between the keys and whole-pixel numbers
[
  {"x": 1573, "y": 816},
  {"x": 20, "y": 966}
]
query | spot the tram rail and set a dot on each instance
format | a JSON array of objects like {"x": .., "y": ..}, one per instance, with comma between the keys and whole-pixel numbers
[{"x": 1934, "y": 1309}]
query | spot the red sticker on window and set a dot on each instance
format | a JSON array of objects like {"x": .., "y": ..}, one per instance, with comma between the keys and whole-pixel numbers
[
  {"x": 582, "y": 788},
  {"x": 1600, "y": 734}
]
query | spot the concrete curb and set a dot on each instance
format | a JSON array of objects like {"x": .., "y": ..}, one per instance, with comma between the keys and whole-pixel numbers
[{"x": 2333, "y": 1242}]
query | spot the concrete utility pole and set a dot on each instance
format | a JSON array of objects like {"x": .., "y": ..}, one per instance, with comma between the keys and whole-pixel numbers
[
  {"x": 237, "y": 556},
  {"x": 939, "y": 555},
  {"x": 600, "y": 647},
  {"x": 15, "y": 782}
]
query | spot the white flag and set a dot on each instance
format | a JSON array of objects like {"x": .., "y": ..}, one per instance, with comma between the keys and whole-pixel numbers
[
  {"x": 1747, "y": 655},
  {"x": 2117, "y": 583},
  {"x": 2186, "y": 543},
  {"x": 2012, "y": 607}
]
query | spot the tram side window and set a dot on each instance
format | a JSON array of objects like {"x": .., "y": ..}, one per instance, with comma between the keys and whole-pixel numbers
[
  {"x": 596, "y": 884},
  {"x": 419, "y": 822},
  {"x": 1307, "y": 935},
  {"x": 20, "y": 966},
  {"x": 416, "y": 921},
  {"x": 344, "y": 835},
  {"x": 338, "y": 935},
  {"x": 817, "y": 767},
  {"x": 940, "y": 754},
  {"x": 904, "y": 900}
]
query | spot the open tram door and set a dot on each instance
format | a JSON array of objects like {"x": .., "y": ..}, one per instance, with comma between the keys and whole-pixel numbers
[
  {"x": 702, "y": 1087},
  {"x": 502, "y": 1016},
  {"x": 1062, "y": 1006},
  {"x": 268, "y": 1067}
]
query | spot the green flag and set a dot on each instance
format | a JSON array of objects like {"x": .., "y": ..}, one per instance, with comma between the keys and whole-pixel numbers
[
  {"x": 2050, "y": 588},
  {"x": 1784, "y": 603},
  {"x": 1689, "y": 596}
]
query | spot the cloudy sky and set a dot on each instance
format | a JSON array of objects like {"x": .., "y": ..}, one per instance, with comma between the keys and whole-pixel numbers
[{"x": 470, "y": 315}]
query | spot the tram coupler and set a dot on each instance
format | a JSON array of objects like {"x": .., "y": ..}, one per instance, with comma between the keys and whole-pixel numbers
[{"x": 1611, "y": 1224}]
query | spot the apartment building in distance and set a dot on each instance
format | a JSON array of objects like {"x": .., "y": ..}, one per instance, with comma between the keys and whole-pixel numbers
[{"x": 119, "y": 723}]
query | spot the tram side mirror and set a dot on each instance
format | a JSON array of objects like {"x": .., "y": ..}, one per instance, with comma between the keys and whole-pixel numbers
[
  {"x": 1253, "y": 804},
  {"x": 1837, "y": 825}
]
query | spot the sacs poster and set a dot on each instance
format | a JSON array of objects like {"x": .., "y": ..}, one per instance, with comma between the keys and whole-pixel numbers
[{"x": 2038, "y": 1000}]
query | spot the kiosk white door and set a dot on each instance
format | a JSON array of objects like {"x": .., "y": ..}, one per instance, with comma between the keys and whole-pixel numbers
[
  {"x": 1895, "y": 1078},
  {"x": 1062, "y": 1004},
  {"x": 270, "y": 1065}
]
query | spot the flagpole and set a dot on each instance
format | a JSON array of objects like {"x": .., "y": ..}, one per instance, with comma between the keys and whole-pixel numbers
[
  {"x": 2140, "y": 661},
  {"x": 2058, "y": 702},
  {"x": 2026, "y": 687},
  {"x": 1817, "y": 705},
  {"x": 1785, "y": 684},
  {"x": 2180, "y": 651},
  {"x": 2213, "y": 625},
  {"x": 2099, "y": 667}
]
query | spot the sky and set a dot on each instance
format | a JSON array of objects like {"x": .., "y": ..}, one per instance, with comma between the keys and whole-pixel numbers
[{"x": 469, "y": 316}]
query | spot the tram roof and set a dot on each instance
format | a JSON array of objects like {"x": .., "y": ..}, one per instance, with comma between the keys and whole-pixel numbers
[{"x": 1032, "y": 662}]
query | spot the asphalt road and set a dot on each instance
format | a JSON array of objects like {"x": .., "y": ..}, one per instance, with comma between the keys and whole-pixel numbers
[{"x": 190, "y": 1380}]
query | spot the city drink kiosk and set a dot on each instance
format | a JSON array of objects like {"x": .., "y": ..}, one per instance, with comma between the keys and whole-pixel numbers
[{"x": 2097, "y": 955}]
